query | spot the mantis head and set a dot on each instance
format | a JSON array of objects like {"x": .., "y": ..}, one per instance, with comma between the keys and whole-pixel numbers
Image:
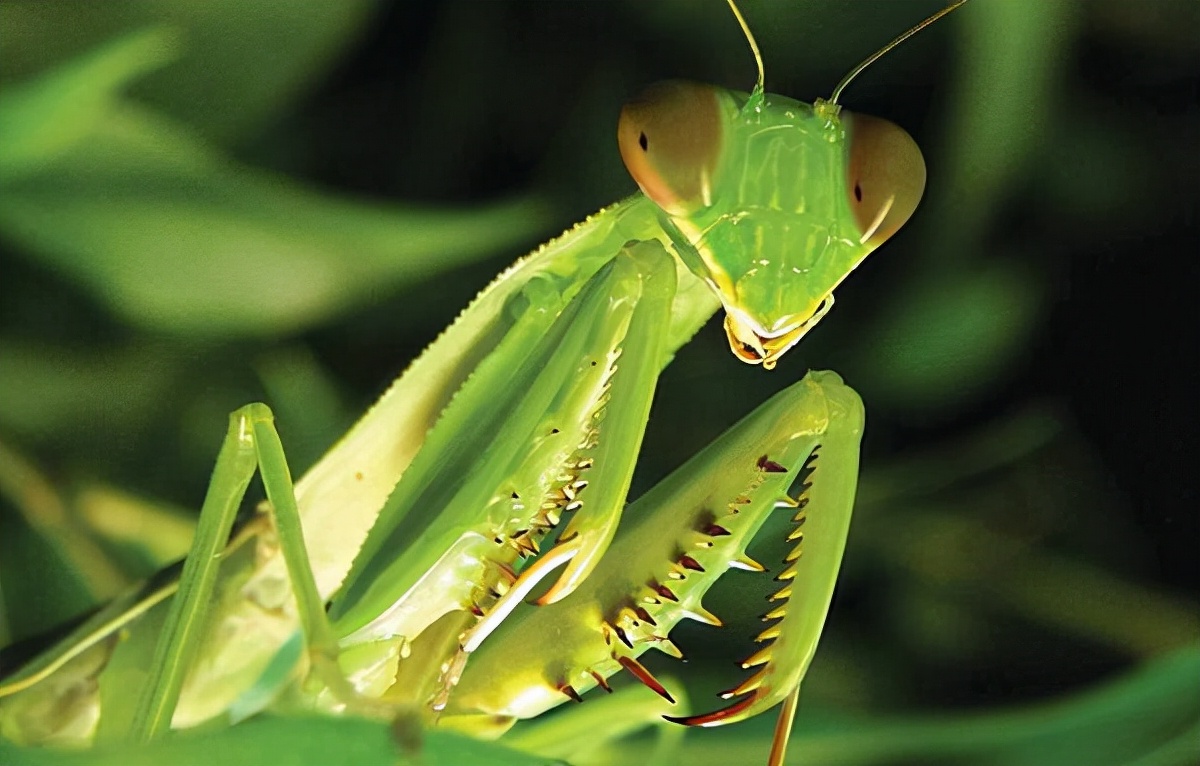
[{"x": 771, "y": 201}]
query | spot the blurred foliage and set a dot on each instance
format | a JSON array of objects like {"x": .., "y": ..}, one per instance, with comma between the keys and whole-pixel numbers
[
  {"x": 205, "y": 204},
  {"x": 289, "y": 742}
]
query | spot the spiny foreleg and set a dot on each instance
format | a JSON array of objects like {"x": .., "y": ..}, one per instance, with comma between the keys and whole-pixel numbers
[{"x": 680, "y": 538}]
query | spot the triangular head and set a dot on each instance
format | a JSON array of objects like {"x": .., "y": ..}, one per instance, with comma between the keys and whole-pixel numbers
[{"x": 771, "y": 201}]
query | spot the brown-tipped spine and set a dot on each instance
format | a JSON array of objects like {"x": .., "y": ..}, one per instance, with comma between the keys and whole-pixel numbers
[
  {"x": 640, "y": 672},
  {"x": 770, "y": 466},
  {"x": 569, "y": 690},
  {"x": 601, "y": 681},
  {"x": 665, "y": 592},
  {"x": 687, "y": 562}
]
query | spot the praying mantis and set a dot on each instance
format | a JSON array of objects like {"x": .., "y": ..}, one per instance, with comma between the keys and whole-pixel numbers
[{"x": 394, "y": 579}]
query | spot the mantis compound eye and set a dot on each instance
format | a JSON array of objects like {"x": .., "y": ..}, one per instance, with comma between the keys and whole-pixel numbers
[
  {"x": 670, "y": 138},
  {"x": 886, "y": 176}
]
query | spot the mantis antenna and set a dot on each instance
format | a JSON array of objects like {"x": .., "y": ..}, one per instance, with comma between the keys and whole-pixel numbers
[
  {"x": 837, "y": 92},
  {"x": 758, "y": 86}
]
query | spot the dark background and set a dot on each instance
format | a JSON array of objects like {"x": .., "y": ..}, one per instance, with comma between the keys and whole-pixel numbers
[{"x": 1026, "y": 347}]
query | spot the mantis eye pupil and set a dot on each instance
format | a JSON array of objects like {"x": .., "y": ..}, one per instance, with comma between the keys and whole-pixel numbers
[
  {"x": 858, "y": 192},
  {"x": 642, "y": 142}
]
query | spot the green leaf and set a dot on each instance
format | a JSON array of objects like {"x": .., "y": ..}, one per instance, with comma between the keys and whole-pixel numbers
[
  {"x": 305, "y": 741},
  {"x": 50, "y": 391},
  {"x": 41, "y": 589},
  {"x": 41, "y": 119},
  {"x": 1150, "y": 715},
  {"x": 173, "y": 237},
  {"x": 995, "y": 131},
  {"x": 241, "y": 65},
  {"x": 948, "y": 339}
]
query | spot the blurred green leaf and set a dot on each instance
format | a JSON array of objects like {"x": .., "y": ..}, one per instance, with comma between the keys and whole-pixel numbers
[
  {"x": 41, "y": 119},
  {"x": 44, "y": 391},
  {"x": 142, "y": 535},
  {"x": 45, "y": 511},
  {"x": 1152, "y": 712},
  {"x": 227, "y": 82},
  {"x": 1006, "y": 89},
  {"x": 41, "y": 589},
  {"x": 175, "y": 238},
  {"x": 578, "y": 733},
  {"x": 300, "y": 741},
  {"x": 950, "y": 337}
]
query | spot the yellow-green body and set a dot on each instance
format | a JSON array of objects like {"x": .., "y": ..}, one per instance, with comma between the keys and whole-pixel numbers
[{"x": 516, "y": 433}]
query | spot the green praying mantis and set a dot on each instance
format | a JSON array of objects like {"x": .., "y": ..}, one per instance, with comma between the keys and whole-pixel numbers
[{"x": 457, "y": 559}]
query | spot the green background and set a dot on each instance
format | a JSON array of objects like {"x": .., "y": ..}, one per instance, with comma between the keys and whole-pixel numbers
[{"x": 205, "y": 204}]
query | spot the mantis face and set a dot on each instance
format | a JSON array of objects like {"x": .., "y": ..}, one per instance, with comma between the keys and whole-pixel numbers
[{"x": 771, "y": 201}]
